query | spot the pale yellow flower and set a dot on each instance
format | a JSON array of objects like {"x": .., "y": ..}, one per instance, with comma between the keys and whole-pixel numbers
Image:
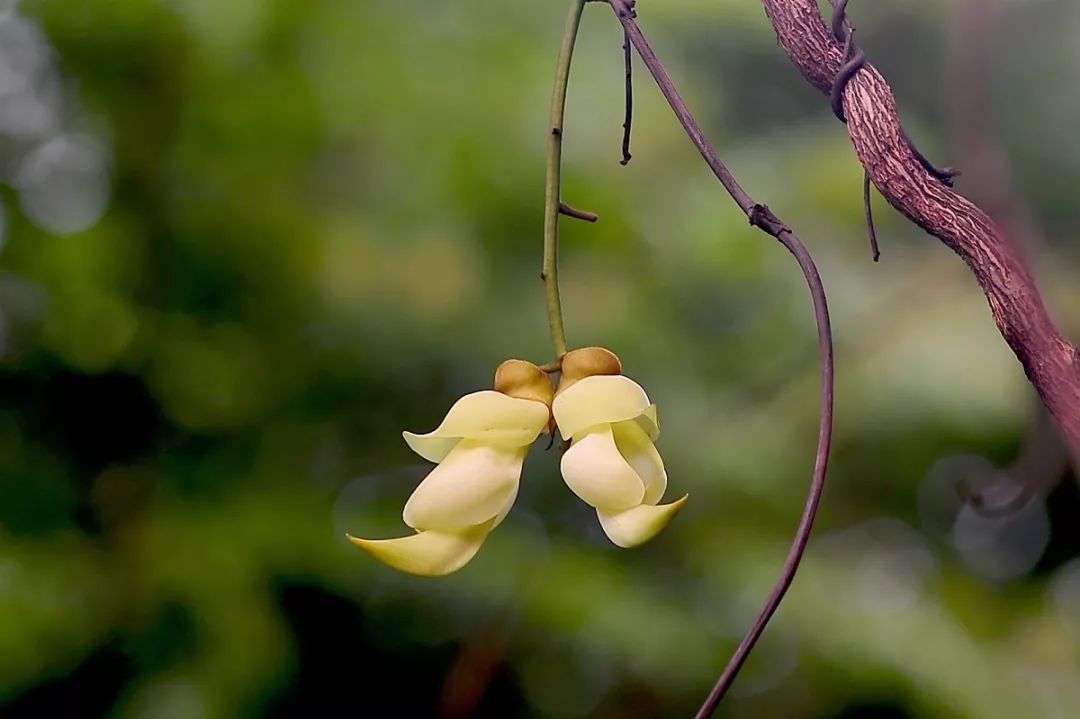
[
  {"x": 612, "y": 463},
  {"x": 479, "y": 448}
]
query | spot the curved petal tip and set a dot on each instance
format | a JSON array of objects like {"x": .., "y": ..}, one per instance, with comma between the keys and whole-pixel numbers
[
  {"x": 639, "y": 524},
  {"x": 488, "y": 416},
  {"x": 431, "y": 447},
  {"x": 427, "y": 554}
]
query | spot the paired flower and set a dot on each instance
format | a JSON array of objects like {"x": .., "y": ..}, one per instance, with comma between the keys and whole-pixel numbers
[
  {"x": 612, "y": 463},
  {"x": 480, "y": 446}
]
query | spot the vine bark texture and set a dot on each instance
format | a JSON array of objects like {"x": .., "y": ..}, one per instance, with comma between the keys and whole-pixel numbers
[{"x": 1050, "y": 361}]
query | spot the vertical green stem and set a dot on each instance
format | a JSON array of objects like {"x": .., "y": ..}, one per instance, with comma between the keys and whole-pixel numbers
[{"x": 552, "y": 193}]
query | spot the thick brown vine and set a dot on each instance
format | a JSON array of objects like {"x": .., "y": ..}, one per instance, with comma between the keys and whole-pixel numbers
[{"x": 1051, "y": 363}]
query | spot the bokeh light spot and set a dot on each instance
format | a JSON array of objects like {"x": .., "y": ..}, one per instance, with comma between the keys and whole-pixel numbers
[{"x": 64, "y": 183}]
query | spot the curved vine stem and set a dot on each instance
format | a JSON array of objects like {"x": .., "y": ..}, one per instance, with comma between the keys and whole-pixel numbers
[
  {"x": 763, "y": 218},
  {"x": 760, "y": 216},
  {"x": 553, "y": 185}
]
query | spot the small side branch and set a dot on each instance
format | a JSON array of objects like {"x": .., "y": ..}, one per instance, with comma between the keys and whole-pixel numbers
[
  {"x": 565, "y": 209},
  {"x": 762, "y": 217},
  {"x": 875, "y": 253},
  {"x": 854, "y": 60}
]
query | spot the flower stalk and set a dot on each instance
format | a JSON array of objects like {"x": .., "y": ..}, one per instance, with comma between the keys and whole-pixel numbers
[{"x": 553, "y": 185}]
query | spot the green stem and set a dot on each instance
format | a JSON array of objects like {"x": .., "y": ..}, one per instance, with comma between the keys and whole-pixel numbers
[{"x": 552, "y": 191}]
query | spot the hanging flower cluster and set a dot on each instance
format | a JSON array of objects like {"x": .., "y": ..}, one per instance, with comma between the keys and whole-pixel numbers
[{"x": 480, "y": 446}]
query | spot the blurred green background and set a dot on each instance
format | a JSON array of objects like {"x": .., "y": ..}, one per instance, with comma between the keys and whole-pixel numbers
[{"x": 246, "y": 243}]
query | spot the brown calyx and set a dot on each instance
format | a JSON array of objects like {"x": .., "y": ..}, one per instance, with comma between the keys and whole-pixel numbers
[
  {"x": 524, "y": 380},
  {"x": 587, "y": 362}
]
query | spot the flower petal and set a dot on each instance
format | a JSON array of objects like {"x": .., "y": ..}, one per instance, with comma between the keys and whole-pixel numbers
[
  {"x": 507, "y": 506},
  {"x": 640, "y": 453},
  {"x": 427, "y": 554},
  {"x": 490, "y": 416},
  {"x": 640, "y": 524},
  {"x": 470, "y": 486},
  {"x": 600, "y": 399},
  {"x": 596, "y": 472},
  {"x": 650, "y": 422}
]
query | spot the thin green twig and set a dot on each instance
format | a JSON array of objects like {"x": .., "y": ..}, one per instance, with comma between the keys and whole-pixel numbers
[{"x": 552, "y": 192}]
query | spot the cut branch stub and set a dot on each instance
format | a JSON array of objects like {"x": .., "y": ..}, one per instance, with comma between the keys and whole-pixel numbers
[{"x": 1051, "y": 363}]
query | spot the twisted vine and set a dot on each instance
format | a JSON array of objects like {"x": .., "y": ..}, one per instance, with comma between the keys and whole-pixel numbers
[{"x": 923, "y": 194}]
